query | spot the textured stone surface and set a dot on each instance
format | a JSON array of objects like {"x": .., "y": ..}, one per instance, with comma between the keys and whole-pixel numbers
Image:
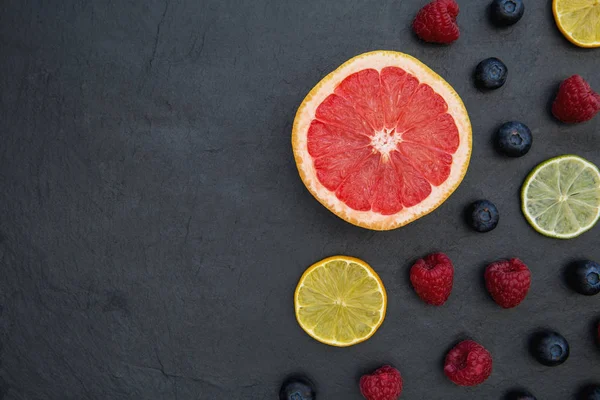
[{"x": 153, "y": 226}]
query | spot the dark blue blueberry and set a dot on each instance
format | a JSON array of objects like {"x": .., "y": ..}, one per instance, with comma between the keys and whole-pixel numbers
[
  {"x": 584, "y": 277},
  {"x": 513, "y": 139},
  {"x": 491, "y": 73},
  {"x": 297, "y": 389},
  {"x": 520, "y": 395},
  {"x": 507, "y": 12},
  {"x": 550, "y": 348},
  {"x": 483, "y": 215},
  {"x": 591, "y": 392}
]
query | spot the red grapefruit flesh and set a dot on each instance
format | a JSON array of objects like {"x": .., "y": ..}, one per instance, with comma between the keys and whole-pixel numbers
[{"x": 382, "y": 140}]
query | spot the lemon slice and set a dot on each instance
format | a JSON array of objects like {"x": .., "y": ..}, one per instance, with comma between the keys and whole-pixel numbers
[
  {"x": 579, "y": 21},
  {"x": 340, "y": 301},
  {"x": 561, "y": 197}
]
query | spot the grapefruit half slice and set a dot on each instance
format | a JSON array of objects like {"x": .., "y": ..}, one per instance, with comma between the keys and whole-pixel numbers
[{"x": 382, "y": 140}]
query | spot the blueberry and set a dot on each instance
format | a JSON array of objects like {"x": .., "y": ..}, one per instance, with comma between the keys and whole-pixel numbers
[
  {"x": 584, "y": 277},
  {"x": 490, "y": 74},
  {"x": 297, "y": 389},
  {"x": 513, "y": 139},
  {"x": 520, "y": 395},
  {"x": 507, "y": 12},
  {"x": 483, "y": 215},
  {"x": 591, "y": 392},
  {"x": 550, "y": 348}
]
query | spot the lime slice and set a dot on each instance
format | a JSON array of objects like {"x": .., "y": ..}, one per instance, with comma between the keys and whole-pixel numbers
[{"x": 561, "y": 197}]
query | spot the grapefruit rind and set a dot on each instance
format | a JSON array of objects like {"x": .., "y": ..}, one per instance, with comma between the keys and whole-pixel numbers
[{"x": 306, "y": 113}]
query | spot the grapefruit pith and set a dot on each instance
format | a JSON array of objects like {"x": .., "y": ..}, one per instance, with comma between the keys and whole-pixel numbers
[{"x": 382, "y": 140}]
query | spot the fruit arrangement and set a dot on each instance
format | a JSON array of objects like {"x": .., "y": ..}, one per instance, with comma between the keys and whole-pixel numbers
[{"x": 383, "y": 140}]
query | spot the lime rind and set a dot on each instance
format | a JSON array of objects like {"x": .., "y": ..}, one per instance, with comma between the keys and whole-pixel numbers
[{"x": 560, "y": 198}]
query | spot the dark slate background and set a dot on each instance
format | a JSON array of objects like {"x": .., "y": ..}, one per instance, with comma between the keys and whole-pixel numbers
[{"x": 153, "y": 226}]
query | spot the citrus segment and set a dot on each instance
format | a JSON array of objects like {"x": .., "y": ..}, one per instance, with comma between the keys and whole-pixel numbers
[
  {"x": 433, "y": 165},
  {"x": 561, "y": 197},
  {"x": 579, "y": 21},
  {"x": 382, "y": 140},
  {"x": 340, "y": 301},
  {"x": 439, "y": 133}
]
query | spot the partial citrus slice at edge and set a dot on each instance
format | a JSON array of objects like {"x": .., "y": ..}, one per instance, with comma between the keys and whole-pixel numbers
[
  {"x": 561, "y": 197},
  {"x": 578, "y": 21},
  {"x": 382, "y": 140},
  {"x": 340, "y": 301}
]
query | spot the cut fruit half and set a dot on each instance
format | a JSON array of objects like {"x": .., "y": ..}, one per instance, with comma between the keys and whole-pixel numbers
[
  {"x": 382, "y": 140},
  {"x": 579, "y": 21},
  {"x": 340, "y": 301},
  {"x": 561, "y": 197}
]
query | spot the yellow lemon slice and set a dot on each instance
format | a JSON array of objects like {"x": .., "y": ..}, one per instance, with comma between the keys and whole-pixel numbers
[
  {"x": 579, "y": 21},
  {"x": 340, "y": 301}
]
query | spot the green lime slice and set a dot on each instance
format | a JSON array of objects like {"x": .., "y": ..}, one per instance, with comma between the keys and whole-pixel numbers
[{"x": 561, "y": 197}]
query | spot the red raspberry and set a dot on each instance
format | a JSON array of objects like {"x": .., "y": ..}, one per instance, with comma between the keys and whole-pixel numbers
[
  {"x": 383, "y": 384},
  {"x": 508, "y": 282},
  {"x": 432, "y": 278},
  {"x": 436, "y": 22},
  {"x": 468, "y": 364},
  {"x": 575, "y": 101}
]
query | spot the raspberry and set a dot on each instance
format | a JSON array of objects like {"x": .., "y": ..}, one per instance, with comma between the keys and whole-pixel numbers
[
  {"x": 432, "y": 278},
  {"x": 383, "y": 384},
  {"x": 508, "y": 282},
  {"x": 468, "y": 364},
  {"x": 575, "y": 101},
  {"x": 436, "y": 22}
]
